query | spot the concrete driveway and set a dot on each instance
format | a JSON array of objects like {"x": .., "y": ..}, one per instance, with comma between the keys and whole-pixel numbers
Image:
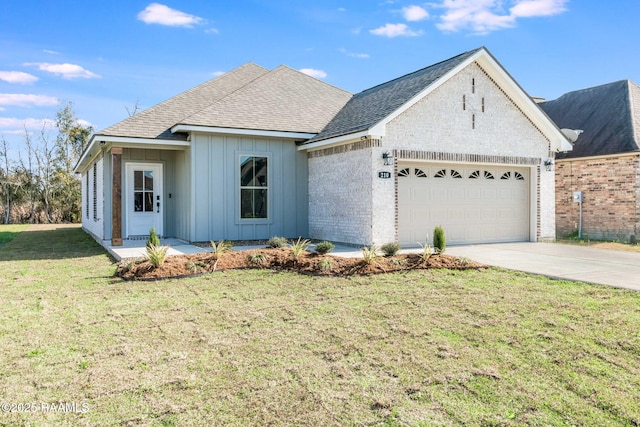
[{"x": 601, "y": 266}]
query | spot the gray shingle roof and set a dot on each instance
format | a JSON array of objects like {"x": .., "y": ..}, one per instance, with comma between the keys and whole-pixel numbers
[
  {"x": 281, "y": 100},
  {"x": 368, "y": 107},
  {"x": 157, "y": 121},
  {"x": 609, "y": 115}
]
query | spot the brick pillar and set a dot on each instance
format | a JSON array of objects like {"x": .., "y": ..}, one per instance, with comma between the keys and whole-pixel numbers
[{"x": 116, "y": 197}]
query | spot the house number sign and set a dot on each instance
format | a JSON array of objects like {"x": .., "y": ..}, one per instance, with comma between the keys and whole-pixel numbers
[{"x": 384, "y": 175}]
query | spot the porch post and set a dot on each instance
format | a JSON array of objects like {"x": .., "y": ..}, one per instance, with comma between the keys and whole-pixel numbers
[{"x": 116, "y": 197}]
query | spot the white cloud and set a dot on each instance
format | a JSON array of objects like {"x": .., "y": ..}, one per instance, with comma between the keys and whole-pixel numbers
[
  {"x": 414, "y": 13},
  {"x": 484, "y": 16},
  {"x": 84, "y": 123},
  {"x": 218, "y": 73},
  {"x": 532, "y": 8},
  {"x": 212, "y": 31},
  {"x": 342, "y": 9},
  {"x": 395, "y": 30},
  {"x": 17, "y": 77},
  {"x": 66, "y": 71},
  {"x": 318, "y": 74},
  {"x": 353, "y": 54},
  {"x": 26, "y": 100},
  {"x": 51, "y": 52},
  {"x": 17, "y": 125},
  {"x": 157, "y": 13}
]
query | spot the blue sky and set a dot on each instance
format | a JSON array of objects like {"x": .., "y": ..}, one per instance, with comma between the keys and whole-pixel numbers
[{"x": 106, "y": 56}]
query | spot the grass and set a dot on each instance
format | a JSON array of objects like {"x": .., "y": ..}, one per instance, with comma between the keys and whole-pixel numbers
[
  {"x": 9, "y": 231},
  {"x": 257, "y": 347}
]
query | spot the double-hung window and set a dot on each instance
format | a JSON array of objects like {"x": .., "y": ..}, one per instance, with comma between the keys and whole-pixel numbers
[{"x": 254, "y": 187}]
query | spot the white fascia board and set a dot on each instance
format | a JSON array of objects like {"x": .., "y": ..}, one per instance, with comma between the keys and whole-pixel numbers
[
  {"x": 143, "y": 141},
  {"x": 235, "y": 131},
  {"x": 100, "y": 141},
  {"x": 338, "y": 140}
]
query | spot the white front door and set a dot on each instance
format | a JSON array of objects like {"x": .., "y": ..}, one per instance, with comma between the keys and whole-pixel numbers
[{"x": 144, "y": 198}]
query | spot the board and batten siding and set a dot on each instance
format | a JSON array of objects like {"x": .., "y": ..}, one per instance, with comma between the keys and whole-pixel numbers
[
  {"x": 174, "y": 185},
  {"x": 215, "y": 188}
]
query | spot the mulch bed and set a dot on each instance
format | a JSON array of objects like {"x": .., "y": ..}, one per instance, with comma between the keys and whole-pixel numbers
[{"x": 281, "y": 259}]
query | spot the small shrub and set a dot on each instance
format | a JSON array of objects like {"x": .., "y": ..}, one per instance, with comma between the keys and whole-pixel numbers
[
  {"x": 325, "y": 265},
  {"x": 324, "y": 247},
  {"x": 370, "y": 254},
  {"x": 127, "y": 267},
  {"x": 390, "y": 249},
  {"x": 219, "y": 249},
  {"x": 153, "y": 239},
  {"x": 157, "y": 255},
  {"x": 277, "y": 242},
  {"x": 398, "y": 262},
  {"x": 257, "y": 258},
  {"x": 439, "y": 241},
  {"x": 427, "y": 251},
  {"x": 194, "y": 267},
  {"x": 299, "y": 247}
]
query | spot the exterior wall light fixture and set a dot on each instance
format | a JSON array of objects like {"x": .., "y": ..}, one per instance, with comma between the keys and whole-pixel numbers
[
  {"x": 548, "y": 164},
  {"x": 388, "y": 158}
]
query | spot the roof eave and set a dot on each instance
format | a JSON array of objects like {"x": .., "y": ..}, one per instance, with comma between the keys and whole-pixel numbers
[
  {"x": 338, "y": 140},
  {"x": 99, "y": 142},
  {"x": 298, "y": 136}
]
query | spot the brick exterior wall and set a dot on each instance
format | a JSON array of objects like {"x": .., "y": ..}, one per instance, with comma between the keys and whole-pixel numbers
[
  {"x": 340, "y": 194},
  {"x": 349, "y": 203},
  {"x": 501, "y": 134},
  {"x": 611, "y": 197}
]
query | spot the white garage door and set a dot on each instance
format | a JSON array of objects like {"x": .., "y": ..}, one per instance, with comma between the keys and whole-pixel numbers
[{"x": 473, "y": 204}]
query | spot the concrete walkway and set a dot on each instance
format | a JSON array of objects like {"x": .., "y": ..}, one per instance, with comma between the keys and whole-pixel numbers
[{"x": 600, "y": 266}]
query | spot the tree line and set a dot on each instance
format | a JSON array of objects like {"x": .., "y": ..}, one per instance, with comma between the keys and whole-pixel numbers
[{"x": 40, "y": 185}]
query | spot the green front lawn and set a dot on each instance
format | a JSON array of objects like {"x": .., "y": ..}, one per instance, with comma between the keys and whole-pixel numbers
[
  {"x": 256, "y": 347},
  {"x": 9, "y": 231}
]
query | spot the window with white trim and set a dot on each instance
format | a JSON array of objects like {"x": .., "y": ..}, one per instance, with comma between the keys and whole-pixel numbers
[{"x": 254, "y": 187}]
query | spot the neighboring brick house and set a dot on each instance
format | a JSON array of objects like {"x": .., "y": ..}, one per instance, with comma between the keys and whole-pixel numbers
[
  {"x": 257, "y": 153},
  {"x": 604, "y": 163}
]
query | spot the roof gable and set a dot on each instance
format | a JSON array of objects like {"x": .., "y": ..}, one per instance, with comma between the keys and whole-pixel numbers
[
  {"x": 369, "y": 111},
  {"x": 370, "y": 106},
  {"x": 157, "y": 121},
  {"x": 280, "y": 100},
  {"x": 609, "y": 116}
]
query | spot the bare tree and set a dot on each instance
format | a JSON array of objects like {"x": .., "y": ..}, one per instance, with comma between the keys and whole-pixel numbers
[
  {"x": 45, "y": 156},
  {"x": 5, "y": 182},
  {"x": 134, "y": 110}
]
